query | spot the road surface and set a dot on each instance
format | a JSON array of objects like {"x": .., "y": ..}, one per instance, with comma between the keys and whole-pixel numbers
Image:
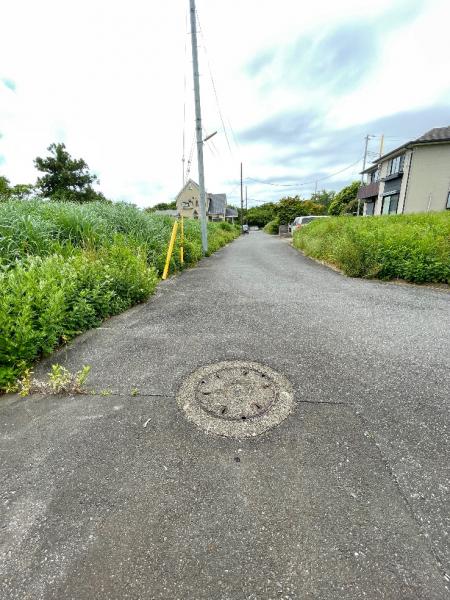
[{"x": 117, "y": 495}]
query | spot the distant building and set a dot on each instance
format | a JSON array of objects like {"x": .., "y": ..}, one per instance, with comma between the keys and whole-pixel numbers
[
  {"x": 415, "y": 177},
  {"x": 188, "y": 204}
]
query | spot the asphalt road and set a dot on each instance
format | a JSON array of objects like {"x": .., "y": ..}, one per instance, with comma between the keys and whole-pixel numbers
[{"x": 116, "y": 495}]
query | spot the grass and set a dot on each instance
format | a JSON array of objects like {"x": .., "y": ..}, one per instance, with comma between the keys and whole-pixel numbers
[
  {"x": 414, "y": 247},
  {"x": 65, "y": 267},
  {"x": 272, "y": 227}
]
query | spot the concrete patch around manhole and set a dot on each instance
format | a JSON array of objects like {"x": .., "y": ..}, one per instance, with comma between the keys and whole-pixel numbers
[{"x": 237, "y": 399}]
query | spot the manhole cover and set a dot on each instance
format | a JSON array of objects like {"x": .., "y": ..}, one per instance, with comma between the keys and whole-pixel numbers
[{"x": 236, "y": 399}]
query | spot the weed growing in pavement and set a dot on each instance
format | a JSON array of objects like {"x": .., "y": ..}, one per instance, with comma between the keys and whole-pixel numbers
[{"x": 60, "y": 381}]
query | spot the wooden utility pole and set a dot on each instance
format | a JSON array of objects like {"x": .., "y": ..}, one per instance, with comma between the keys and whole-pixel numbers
[
  {"x": 364, "y": 166},
  {"x": 198, "y": 128},
  {"x": 242, "y": 201},
  {"x": 381, "y": 144},
  {"x": 246, "y": 205}
]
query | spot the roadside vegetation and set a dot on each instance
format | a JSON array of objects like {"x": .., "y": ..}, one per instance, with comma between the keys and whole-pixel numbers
[
  {"x": 66, "y": 266},
  {"x": 414, "y": 248},
  {"x": 273, "y": 214}
]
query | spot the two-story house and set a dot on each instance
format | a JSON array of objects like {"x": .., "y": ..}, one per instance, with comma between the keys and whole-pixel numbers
[
  {"x": 188, "y": 204},
  {"x": 415, "y": 177}
]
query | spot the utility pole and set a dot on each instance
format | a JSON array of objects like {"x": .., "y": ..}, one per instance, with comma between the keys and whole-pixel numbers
[
  {"x": 242, "y": 202},
  {"x": 198, "y": 128},
  {"x": 381, "y": 144},
  {"x": 246, "y": 205},
  {"x": 364, "y": 166}
]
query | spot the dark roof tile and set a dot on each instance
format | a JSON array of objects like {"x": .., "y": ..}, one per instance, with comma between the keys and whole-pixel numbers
[
  {"x": 217, "y": 204},
  {"x": 438, "y": 134}
]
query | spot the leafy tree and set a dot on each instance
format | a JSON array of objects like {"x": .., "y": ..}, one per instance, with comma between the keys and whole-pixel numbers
[
  {"x": 23, "y": 191},
  {"x": 289, "y": 208},
  {"x": 260, "y": 215},
  {"x": 5, "y": 189},
  {"x": 66, "y": 178},
  {"x": 343, "y": 202},
  {"x": 352, "y": 208},
  {"x": 163, "y": 206},
  {"x": 323, "y": 197}
]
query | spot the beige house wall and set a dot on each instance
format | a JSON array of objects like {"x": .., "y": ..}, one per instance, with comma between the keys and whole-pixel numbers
[
  {"x": 429, "y": 179},
  {"x": 188, "y": 201}
]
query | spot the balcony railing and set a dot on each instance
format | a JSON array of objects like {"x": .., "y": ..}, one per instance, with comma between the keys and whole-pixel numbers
[{"x": 367, "y": 191}]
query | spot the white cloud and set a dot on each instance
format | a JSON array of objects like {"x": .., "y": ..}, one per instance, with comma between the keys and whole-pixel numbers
[{"x": 107, "y": 79}]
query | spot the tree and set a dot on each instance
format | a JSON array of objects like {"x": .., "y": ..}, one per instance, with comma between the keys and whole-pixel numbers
[
  {"x": 5, "y": 189},
  {"x": 66, "y": 178},
  {"x": 323, "y": 197},
  {"x": 23, "y": 191},
  {"x": 163, "y": 206},
  {"x": 20, "y": 191},
  {"x": 344, "y": 200},
  {"x": 289, "y": 208},
  {"x": 259, "y": 216}
]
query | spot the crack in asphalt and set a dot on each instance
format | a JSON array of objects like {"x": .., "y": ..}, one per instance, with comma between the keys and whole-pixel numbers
[{"x": 371, "y": 437}]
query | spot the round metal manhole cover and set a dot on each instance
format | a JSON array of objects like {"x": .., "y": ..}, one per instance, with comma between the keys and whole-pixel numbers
[{"x": 236, "y": 399}]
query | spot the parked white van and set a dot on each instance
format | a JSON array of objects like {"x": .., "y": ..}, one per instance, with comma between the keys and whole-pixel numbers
[{"x": 301, "y": 221}]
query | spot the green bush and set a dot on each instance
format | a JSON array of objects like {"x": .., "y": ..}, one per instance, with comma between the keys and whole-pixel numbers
[
  {"x": 64, "y": 267},
  {"x": 272, "y": 227},
  {"x": 413, "y": 247},
  {"x": 45, "y": 301}
]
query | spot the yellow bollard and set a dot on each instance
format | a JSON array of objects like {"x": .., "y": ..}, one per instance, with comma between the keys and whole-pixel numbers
[
  {"x": 182, "y": 241},
  {"x": 170, "y": 249}
]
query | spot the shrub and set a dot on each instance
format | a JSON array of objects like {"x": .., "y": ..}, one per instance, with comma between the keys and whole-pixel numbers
[
  {"x": 64, "y": 267},
  {"x": 272, "y": 227},
  {"x": 412, "y": 247},
  {"x": 47, "y": 301}
]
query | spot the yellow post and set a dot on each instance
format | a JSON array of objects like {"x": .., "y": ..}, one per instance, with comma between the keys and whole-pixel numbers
[
  {"x": 182, "y": 241},
  {"x": 170, "y": 249}
]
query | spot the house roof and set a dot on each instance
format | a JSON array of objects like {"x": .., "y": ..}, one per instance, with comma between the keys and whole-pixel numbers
[
  {"x": 217, "y": 203},
  {"x": 189, "y": 182},
  {"x": 231, "y": 212},
  {"x": 435, "y": 135},
  {"x": 438, "y": 134}
]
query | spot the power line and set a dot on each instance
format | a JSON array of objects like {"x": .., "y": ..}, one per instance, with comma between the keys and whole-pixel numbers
[
  {"x": 183, "y": 159},
  {"x": 300, "y": 183},
  {"x": 214, "y": 86}
]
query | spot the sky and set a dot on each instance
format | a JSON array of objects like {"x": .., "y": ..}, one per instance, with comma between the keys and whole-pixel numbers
[{"x": 292, "y": 89}]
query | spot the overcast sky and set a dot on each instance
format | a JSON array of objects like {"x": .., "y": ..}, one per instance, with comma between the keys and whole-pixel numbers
[{"x": 299, "y": 85}]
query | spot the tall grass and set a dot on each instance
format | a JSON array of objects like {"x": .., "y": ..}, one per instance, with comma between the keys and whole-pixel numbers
[
  {"x": 412, "y": 247},
  {"x": 65, "y": 267}
]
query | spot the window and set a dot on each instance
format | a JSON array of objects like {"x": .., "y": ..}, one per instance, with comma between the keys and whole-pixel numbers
[
  {"x": 370, "y": 207},
  {"x": 374, "y": 176},
  {"x": 447, "y": 206},
  {"x": 390, "y": 204},
  {"x": 396, "y": 165}
]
